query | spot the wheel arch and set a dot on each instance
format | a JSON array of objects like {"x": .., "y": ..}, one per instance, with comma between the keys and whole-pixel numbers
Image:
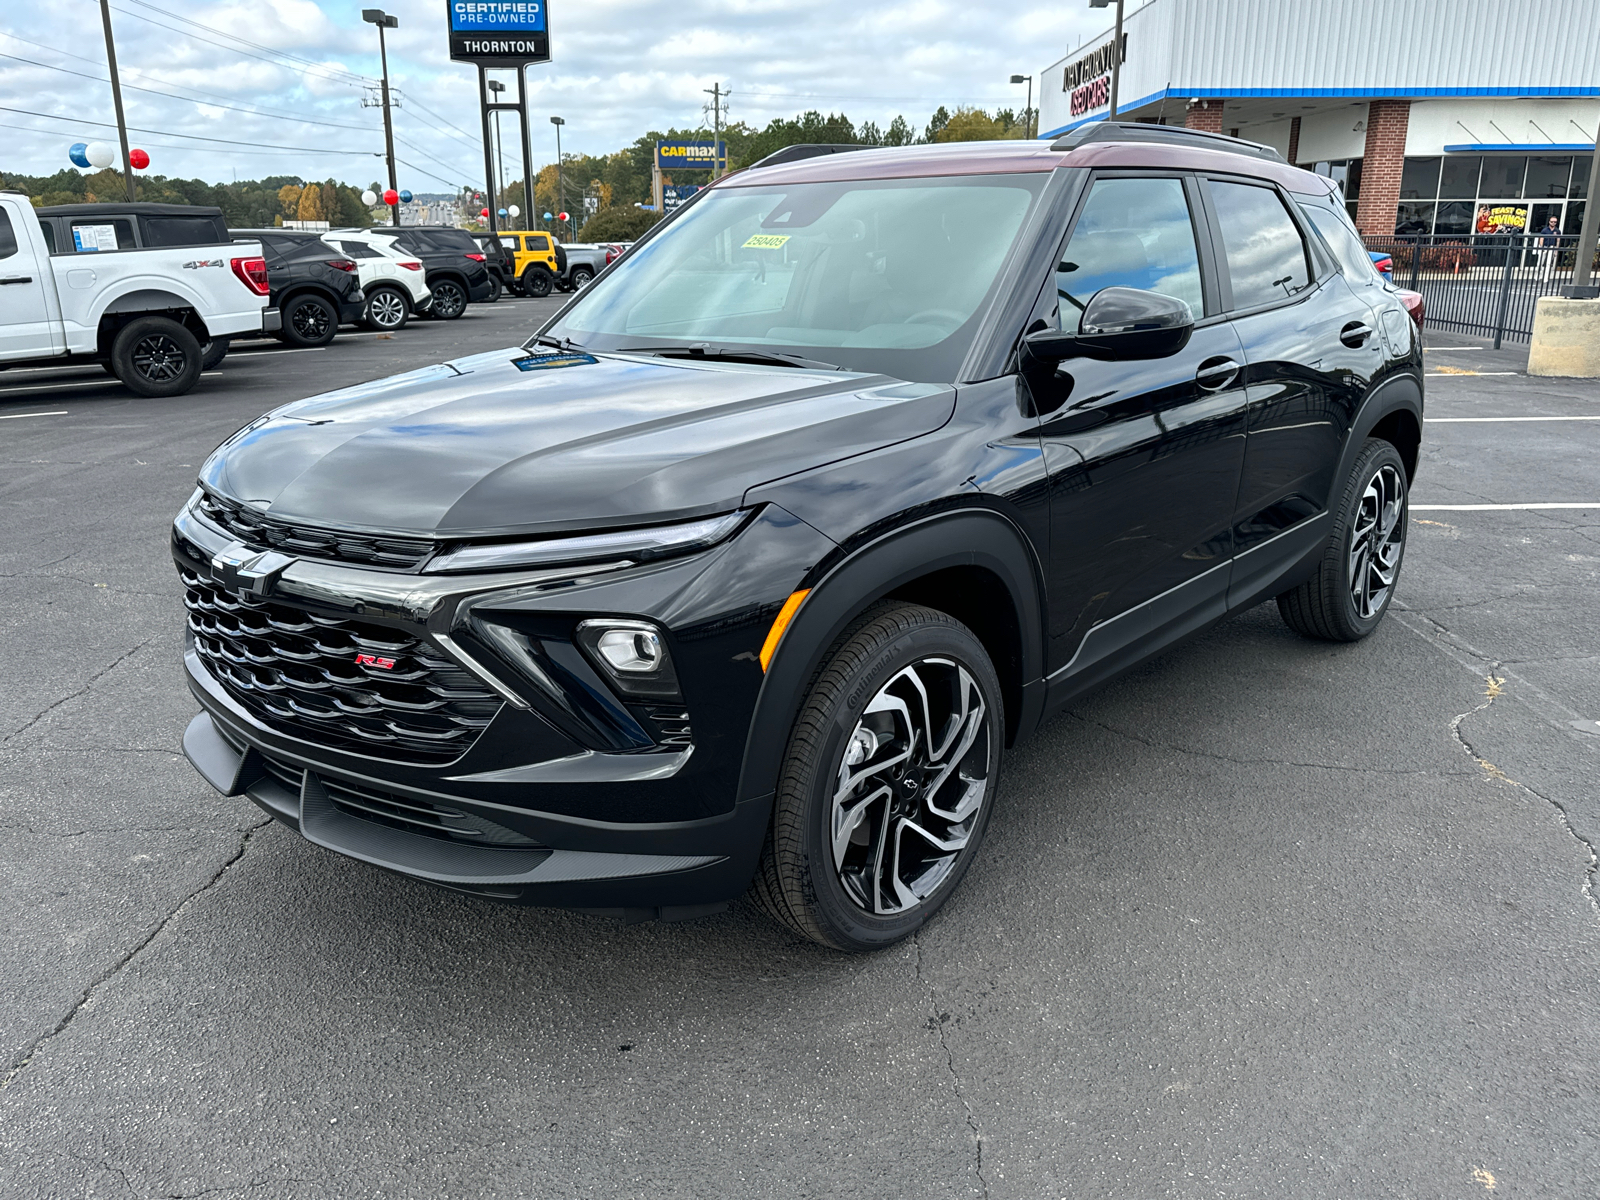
[
  {"x": 147, "y": 303},
  {"x": 974, "y": 564},
  {"x": 381, "y": 285},
  {"x": 1392, "y": 411}
]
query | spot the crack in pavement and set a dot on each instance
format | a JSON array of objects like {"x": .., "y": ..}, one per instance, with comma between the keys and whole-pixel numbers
[
  {"x": 89, "y": 683},
  {"x": 1249, "y": 762},
  {"x": 936, "y": 1022},
  {"x": 20, "y": 1064}
]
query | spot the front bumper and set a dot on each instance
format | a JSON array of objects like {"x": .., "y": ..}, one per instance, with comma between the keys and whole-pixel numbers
[{"x": 558, "y": 822}]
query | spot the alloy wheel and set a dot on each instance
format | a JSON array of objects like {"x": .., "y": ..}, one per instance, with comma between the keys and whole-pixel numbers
[
  {"x": 310, "y": 320},
  {"x": 386, "y": 310},
  {"x": 1377, "y": 540},
  {"x": 158, "y": 358},
  {"x": 448, "y": 301},
  {"x": 910, "y": 786}
]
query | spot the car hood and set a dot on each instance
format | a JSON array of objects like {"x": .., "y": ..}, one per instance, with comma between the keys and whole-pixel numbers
[{"x": 482, "y": 446}]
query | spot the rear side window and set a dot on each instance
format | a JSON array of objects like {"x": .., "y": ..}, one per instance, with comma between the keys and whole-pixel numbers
[
  {"x": 539, "y": 241},
  {"x": 183, "y": 231},
  {"x": 453, "y": 241},
  {"x": 1265, "y": 252},
  {"x": 48, "y": 228},
  {"x": 357, "y": 250},
  {"x": 8, "y": 235},
  {"x": 1132, "y": 233},
  {"x": 92, "y": 236},
  {"x": 1335, "y": 229}
]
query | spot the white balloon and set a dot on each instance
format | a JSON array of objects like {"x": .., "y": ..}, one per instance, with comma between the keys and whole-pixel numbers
[
  {"x": 369, "y": 197},
  {"x": 514, "y": 211},
  {"x": 99, "y": 154}
]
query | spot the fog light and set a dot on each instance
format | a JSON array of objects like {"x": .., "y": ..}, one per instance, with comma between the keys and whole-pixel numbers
[{"x": 635, "y": 651}]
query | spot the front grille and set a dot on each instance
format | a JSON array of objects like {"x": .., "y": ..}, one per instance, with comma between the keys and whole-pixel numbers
[
  {"x": 297, "y": 671},
  {"x": 255, "y": 528},
  {"x": 405, "y": 812}
]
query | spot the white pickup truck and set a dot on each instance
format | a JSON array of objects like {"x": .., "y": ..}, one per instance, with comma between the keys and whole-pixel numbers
[{"x": 146, "y": 314}]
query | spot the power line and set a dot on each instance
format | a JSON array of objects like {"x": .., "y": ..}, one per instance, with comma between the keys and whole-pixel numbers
[
  {"x": 470, "y": 136},
  {"x": 429, "y": 174},
  {"x": 48, "y": 133},
  {"x": 246, "y": 41},
  {"x": 352, "y": 80},
  {"x": 28, "y": 112}
]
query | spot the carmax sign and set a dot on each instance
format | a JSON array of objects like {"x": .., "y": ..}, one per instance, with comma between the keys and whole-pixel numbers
[{"x": 699, "y": 156}]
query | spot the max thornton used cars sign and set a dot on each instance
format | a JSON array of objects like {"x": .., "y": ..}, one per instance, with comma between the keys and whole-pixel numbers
[{"x": 499, "y": 33}]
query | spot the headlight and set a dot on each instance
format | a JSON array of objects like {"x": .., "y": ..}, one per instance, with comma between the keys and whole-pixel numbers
[{"x": 637, "y": 545}]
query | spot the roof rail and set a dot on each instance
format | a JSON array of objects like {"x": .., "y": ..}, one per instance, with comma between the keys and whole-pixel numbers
[
  {"x": 805, "y": 150},
  {"x": 1170, "y": 135}
]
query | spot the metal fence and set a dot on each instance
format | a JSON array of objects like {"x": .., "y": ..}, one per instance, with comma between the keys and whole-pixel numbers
[{"x": 1481, "y": 284}]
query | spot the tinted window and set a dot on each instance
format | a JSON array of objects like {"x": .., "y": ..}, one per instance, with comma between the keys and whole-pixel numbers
[
  {"x": 539, "y": 241},
  {"x": 1414, "y": 218},
  {"x": 456, "y": 240},
  {"x": 1581, "y": 166},
  {"x": 1419, "y": 180},
  {"x": 1502, "y": 177},
  {"x": 1547, "y": 178},
  {"x": 1460, "y": 178},
  {"x": 182, "y": 231},
  {"x": 357, "y": 250},
  {"x": 1266, "y": 254},
  {"x": 48, "y": 228},
  {"x": 8, "y": 235},
  {"x": 1453, "y": 217},
  {"x": 1132, "y": 233},
  {"x": 93, "y": 235},
  {"x": 1342, "y": 240}
]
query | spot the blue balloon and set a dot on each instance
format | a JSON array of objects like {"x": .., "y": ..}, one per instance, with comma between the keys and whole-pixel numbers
[
  {"x": 78, "y": 152},
  {"x": 504, "y": 213},
  {"x": 405, "y": 197},
  {"x": 546, "y": 216}
]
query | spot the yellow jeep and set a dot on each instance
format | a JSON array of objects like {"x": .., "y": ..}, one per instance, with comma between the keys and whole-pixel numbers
[{"x": 537, "y": 260}]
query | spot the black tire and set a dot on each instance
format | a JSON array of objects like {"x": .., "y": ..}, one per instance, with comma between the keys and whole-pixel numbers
[
  {"x": 386, "y": 309},
  {"x": 449, "y": 300},
  {"x": 537, "y": 282},
  {"x": 309, "y": 320},
  {"x": 1360, "y": 568},
  {"x": 212, "y": 353},
  {"x": 156, "y": 356},
  {"x": 496, "y": 289},
  {"x": 580, "y": 277},
  {"x": 823, "y": 875}
]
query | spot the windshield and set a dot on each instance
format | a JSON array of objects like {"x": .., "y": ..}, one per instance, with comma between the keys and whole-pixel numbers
[{"x": 888, "y": 276}]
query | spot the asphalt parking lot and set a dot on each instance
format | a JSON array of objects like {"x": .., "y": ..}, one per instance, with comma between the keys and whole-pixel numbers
[{"x": 1267, "y": 918}]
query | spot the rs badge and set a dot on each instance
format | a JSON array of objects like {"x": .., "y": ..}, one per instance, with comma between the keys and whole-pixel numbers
[{"x": 372, "y": 660}]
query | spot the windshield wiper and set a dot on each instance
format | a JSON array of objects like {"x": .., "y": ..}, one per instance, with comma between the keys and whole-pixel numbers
[
  {"x": 566, "y": 344},
  {"x": 778, "y": 358}
]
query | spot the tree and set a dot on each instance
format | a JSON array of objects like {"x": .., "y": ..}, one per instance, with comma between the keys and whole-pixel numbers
[
  {"x": 310, "y": 208},
  {"x": 899, "y": 133},
  {"x": 975, "y": 125},
  {"x": 289, "y": 199},
  {"x": 623, "y": 224},
  {"x": 936, "y": 124}
]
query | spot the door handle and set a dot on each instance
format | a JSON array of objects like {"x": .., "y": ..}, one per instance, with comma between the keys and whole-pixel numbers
[
  {"x": 1355, "y": 334},
  {"x": 17, "y": 279},
  {"x": 1216, "y": 373}
]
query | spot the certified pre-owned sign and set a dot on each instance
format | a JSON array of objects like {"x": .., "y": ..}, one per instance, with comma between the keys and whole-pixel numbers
[{"x": 499, "y": 33}]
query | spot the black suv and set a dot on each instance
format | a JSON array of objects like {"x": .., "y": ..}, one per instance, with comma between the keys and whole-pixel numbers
[
  {"x": 500, "y": 262},
  {"x": 456, "y": 266},
  {"x": 314, "y": 288},
  {"x": 744, "y": 572}
]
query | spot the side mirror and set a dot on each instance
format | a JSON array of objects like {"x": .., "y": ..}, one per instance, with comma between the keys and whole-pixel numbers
[{"x": 1119, "y": 324}]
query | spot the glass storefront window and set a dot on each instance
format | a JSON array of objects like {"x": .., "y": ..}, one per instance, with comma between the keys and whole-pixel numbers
[
  {"x": 1420, "y": 179},
  {"x": 1413, "y": 217},
  {"x": 1460, "y": 178},
  {"x": 1547, "y": 178},
  {"x": 1581, "y": 166},
  {"x": 1573, "y": 223},
  {"x": 1503, "y": 176},
  {"x": 1454, "y": 217}
]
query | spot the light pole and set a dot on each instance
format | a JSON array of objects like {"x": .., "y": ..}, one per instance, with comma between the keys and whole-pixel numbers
[
  {"x": 495, "y": 88},
  {"x": 1027, "y": 113},
  {"x": 1116, "y": 54},
  {"x": 116, "y": 95},
  {"x": 376, "y": 16},
  {"x": 558, "y": 122}
]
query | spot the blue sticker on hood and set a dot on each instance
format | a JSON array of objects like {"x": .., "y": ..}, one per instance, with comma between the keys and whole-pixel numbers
[{"x": 541, "y": 362}]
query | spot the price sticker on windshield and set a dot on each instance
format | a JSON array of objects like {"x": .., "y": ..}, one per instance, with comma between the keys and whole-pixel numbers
[{"x": 765, "y": 241}]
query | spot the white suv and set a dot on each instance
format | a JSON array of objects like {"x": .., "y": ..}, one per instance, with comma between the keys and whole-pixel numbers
[{"x": 394, "y": 282}]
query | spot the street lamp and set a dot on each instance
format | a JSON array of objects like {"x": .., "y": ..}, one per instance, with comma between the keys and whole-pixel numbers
[
  {"x": 1027, "y": 113},
  {"x": 495, "y": 88},
  {"x": 376, "y": 16},
  {"x": 558, "y": 122},
  {"x": 1116, "y": 54}
]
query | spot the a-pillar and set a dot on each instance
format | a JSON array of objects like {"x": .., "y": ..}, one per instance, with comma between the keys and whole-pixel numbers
[
  {"x": 1204, "y": 115},
  {"x": 1382, "y": 164}
]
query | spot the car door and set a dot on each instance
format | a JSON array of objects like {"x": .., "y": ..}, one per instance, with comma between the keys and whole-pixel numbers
[
  {"x": 1310, "y": 353},
  {"x": 25, "y": 325},
  {"x": 1144, "y": 457}
]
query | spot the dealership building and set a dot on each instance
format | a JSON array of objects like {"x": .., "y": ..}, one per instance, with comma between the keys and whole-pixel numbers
[{"x": 1444, "y": 117}]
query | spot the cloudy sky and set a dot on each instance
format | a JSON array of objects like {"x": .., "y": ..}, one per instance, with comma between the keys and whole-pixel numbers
[{"x": 277, "y": 85}]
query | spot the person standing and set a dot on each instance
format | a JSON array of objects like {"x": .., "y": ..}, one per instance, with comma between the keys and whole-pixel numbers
[{"x": 1548, "y": 243}]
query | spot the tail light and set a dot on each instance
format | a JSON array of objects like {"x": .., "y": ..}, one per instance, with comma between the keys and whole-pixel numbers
[
  {"x": 611, "y": 255},
  {"x": 1414, "y": 305},
  {"x": 1386, "y": 265},
  {"x": 252, "y": 272},
  {"x": 412, "y": 266},
  {"x": 342, "y": 264},
  {"x": 478, "y": 257}
]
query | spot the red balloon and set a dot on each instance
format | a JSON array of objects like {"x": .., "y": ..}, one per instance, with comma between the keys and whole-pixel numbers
[
  {"x": 390, "y": 196},
  {"x": 138, "y": 159},
  {"x": 484, "y": 213},
  {"x": 562, "y": 217}
]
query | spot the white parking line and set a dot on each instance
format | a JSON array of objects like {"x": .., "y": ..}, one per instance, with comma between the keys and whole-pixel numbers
[
  {"x": 1433, "y": 349},
  {"x": 108, "y": 381},
  {"x": 1496, "y": 420},
  {"x": 275, "y": 350},
  {"x": 17, "y": 416},
  {"x": 1465, "y": 374},
  {"x": 1493, "y": 507}
]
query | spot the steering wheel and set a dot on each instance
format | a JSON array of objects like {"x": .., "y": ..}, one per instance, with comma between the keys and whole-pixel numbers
[{"x": 954, "y": 319}]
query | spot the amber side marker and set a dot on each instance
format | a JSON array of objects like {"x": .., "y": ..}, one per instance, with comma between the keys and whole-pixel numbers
[{"x": 785, "y": 615}]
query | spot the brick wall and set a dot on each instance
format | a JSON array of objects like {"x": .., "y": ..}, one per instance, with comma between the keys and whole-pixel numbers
[
  {"x": 1381, "y": 166},
  {"x": 1204, "y": 114}
]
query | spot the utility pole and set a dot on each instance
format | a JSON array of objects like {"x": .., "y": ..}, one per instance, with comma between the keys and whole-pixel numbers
[
  {"x": 376, "y": 16},
  {"x": 717, "y": 97},
  {"x": 1581, "y": 288},
  {"x": 561, "y": 187},
  {"x": 116, "y": 95}
]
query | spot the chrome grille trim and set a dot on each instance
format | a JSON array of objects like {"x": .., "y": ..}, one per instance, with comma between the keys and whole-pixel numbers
[{"x": 255, "y": 528}]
